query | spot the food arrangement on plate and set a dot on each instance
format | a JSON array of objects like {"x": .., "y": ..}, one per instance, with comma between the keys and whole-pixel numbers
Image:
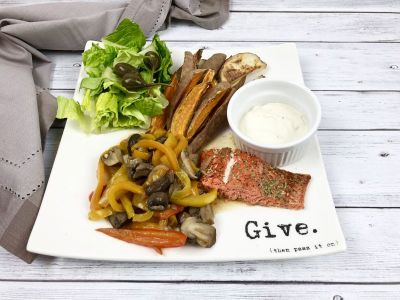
[{"x": 157, "y": 187}]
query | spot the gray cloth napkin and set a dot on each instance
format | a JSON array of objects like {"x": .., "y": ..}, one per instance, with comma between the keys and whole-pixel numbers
[{"x": 27, "y": 109}]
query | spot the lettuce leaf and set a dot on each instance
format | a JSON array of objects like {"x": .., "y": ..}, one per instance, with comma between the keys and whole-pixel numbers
[
  {"x": 96, "y": 59},
  {"x": 163, "y": 73},
  {"x": 126, "y": 35},
  {"x": 129, "y": 56}
]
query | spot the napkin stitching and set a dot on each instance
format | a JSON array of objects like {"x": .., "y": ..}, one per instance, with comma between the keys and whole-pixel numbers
[
  {"x": 159, "y": 16},
  {"x": 19, "y": 165},
  {"x": 10, "y": 190}
]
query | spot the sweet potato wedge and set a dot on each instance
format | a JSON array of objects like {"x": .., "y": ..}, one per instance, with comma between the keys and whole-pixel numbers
[
  {"x": 214, "y": 62},
  {"x": 189, "y": 64},
  {"x": 216, "y": 123},
  {"x": 160, "y": 120},
  {"x": 184, "y": 112},
  {"x": 209, "y": 102},
  {"x": 196, "y": 77},
  {"x": 240, "y": 65}
]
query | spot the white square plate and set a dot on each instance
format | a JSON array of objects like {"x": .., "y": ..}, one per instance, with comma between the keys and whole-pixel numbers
[{"x": 63, "y": 229}]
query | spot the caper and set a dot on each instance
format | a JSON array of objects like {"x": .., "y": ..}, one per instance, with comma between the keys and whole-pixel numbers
[
  {"x": 123, "y": 68},
  {"x": 152, "y": 60},
  {"x": 133, "y": 82}
]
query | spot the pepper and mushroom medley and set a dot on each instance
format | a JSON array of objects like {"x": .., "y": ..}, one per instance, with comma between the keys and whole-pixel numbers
[
  {"x": 148, "y": 190},
  {"x": 148, "y": 185}
]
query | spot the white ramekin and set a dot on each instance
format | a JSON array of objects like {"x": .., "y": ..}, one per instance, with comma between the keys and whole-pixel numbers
[{"x": 263, "y": 91}]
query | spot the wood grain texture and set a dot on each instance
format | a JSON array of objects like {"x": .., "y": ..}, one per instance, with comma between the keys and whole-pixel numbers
[
  {"x": 360, "y": 165},
  {"x": 286, "y": 5},
  {"x": 337, "y": 66},
  {"x": 311, "y": 27},
  {"x": 165, "y": 291},
  {"x": 342, "y": 110},
  {"x": 372, "y": 256}
]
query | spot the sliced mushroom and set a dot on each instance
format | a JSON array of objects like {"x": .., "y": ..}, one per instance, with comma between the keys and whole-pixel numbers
[
  {"x": 203, "y": 234},
  {"x": 207, "y": 214},
  {"x": 118, "y": 220},
  {"x": 131, "y": 162},
  {"x": 182, "y": 217},
  {"x": 133, "y": 139},
  {"x": 158, "y": 201},
  {"x": 112, "y": 156},
  {"x": 160, "y": 185},
  {"x": 142, "y": 170},
  {"x": 186, "y": 165}
]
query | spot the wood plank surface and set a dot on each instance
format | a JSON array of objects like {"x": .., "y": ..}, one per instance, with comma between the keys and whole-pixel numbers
[
  {"x": 285, "y": 5},
  {"x": 372, "y": 256},
  {"x": 165, "y": 291},
  {"x": 310, "y": 27},
  {"x": 325, "y": 66},
  {"x": 360, "y": 165}
]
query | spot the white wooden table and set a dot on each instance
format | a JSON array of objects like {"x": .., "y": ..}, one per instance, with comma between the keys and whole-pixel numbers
[{"x": 350, "y": 55}]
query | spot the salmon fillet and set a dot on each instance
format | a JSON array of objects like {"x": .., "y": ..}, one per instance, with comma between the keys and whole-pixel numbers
[{"x": 238, "y": 175}]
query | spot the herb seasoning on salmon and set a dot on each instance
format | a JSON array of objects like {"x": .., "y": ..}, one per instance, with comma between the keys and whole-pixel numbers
[{"x": 238, "y": 175}]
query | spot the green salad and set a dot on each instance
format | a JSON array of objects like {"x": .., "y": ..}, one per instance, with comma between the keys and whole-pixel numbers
[{"x": 124, "y": 81}]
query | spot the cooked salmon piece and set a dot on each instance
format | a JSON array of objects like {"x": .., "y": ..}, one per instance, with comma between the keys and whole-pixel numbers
[{"x": 238, "y": 175}]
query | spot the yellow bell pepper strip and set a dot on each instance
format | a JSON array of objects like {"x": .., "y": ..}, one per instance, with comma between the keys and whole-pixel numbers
[
  {"x": 141, "y": 154},
  {"x": 127, "y": 204},
  {"x": 171, "y": 140},
  {"x": 143, "y": 217},
  {"x": 101, "y": 183},
  {"x": 195, "y": 188},
  {"x": 182, "y": 144},
  {"x": 158, "y": 132},
  {"x": 169, "y": 153},
  {"x": 147, "y": 237},
  {"x": 114, "y": 193},
  {"x": 139, "y": 200},
  {"x": 185, "y": 191},
  {"x": 155, "y": 159},
  {"x": 164, "y": 160},
  {"x": 123, "y": 145},
  {"x": 99, "y": 214},
  {"x": 197, "y": 201},
  {"x": 148, "y": 136}
]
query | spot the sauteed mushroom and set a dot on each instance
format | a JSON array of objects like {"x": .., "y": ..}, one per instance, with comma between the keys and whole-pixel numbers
[
  {"x": 203, "y": 234},
  {"x": 207, "y": 214},
  {"x": 112, "y": 157},
  {"x": 187, "y": 167},
  {"x": 118, "y": 220},
  {"x": 158, "y": 201}
]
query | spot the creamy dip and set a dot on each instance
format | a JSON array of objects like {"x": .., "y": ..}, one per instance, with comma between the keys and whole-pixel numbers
[{"x": 274, "y": 123}]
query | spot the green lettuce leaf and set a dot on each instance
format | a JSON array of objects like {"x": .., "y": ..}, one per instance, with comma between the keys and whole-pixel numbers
[
  {"x": 96, "y": 59},
  {"x": 106, "y": 110},
  {"x": 129, "y": 56},
  {"x": 163, "y": 74},
  {"x": 126, "y": 35},
  {"x": 94, "y": 84}
]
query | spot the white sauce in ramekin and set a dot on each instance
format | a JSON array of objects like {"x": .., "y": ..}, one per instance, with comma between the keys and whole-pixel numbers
[{"x": 274, "y": 123}]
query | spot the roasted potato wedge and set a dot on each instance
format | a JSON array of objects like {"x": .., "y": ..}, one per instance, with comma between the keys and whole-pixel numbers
[
  {"x": 215, "y": 62},
  {"x": 209, "y": 102},
  {"x": 184, "y": 112},
  {"x": 186, "y": 72},
  {"x": 216, "y": 123},
  {"x": 160, "y": 120},
  {"x": 196, "y": 77},
  {"x": 240, "y": 65}
]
